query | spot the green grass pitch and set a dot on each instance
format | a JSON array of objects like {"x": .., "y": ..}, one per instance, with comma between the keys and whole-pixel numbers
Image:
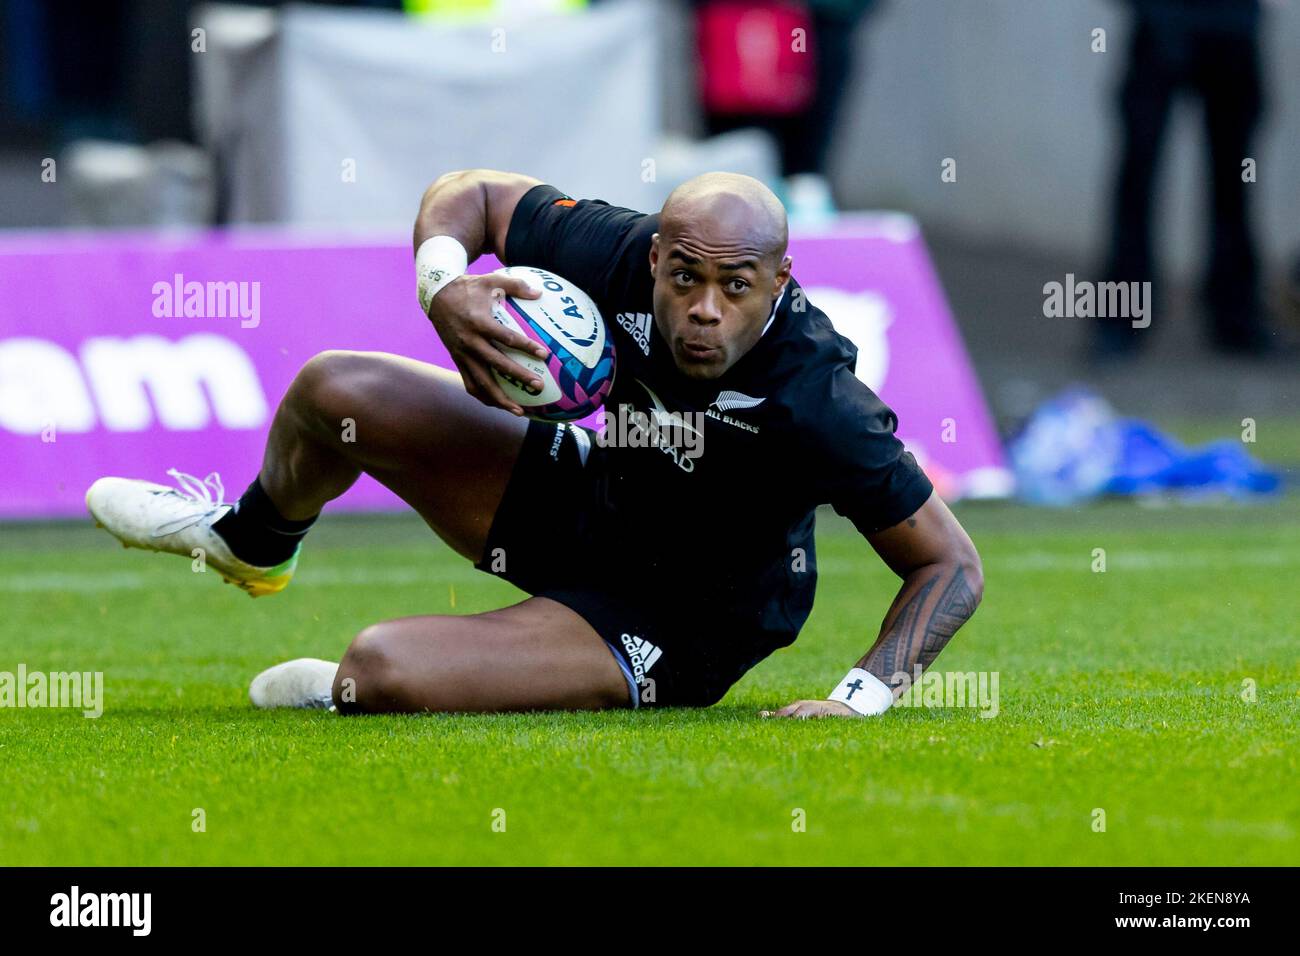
[{"x": 1121, "y": 691}]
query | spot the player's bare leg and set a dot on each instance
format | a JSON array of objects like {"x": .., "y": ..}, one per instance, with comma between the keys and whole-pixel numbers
[
  {"x": 536, "y": 655},
  {"x": 409, "y": 425},
  {"x": 414, "y": 429}
]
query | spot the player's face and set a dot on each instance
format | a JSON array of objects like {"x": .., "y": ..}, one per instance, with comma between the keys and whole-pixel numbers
[{"x": 712, "y": 298}]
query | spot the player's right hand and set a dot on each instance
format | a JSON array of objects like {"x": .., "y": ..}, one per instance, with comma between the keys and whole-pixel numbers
[{"x": 462, "y": 315}]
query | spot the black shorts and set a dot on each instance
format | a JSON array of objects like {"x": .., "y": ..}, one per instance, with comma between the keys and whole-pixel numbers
[{"x": 551, "y": 538}]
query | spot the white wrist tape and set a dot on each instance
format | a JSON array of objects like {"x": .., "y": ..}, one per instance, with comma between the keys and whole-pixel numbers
[
  {"x": 864, "y": 692},
  {"x": 438, "y": 261}
]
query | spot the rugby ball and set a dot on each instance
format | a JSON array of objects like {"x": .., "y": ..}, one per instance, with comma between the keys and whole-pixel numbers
[{"x": 579, "y": 372}]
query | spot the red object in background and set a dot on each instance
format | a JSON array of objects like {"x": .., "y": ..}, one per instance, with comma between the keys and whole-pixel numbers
[{"x": 751, "y": 59}]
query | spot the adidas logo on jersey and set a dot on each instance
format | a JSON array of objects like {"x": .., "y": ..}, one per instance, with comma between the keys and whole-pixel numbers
[
  {"x": 637, "y": 325},
  {"x": 642, "y": 654}
]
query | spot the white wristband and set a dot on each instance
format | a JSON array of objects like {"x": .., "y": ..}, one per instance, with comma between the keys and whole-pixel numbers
[
  {"x": 438, "y": 261},
  {"x": 865, "y": 693}
]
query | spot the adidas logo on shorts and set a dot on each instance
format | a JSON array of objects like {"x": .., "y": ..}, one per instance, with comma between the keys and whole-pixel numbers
[{"x": 642, "y": 654}]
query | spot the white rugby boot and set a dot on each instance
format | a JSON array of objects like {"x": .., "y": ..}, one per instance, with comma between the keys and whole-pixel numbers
[
  {"x": 305, "y": 683},
  {"x": 142, "y": 514}
]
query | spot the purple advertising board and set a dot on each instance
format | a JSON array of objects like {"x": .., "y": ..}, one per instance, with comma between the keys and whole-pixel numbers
[{"x": 129, "y": 354}]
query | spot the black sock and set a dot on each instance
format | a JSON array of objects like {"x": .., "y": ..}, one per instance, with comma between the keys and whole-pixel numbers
[{"x": 257, "y": 532}]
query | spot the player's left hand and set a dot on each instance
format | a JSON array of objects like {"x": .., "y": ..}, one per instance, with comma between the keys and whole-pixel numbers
[{"x": 812, "y": 708}]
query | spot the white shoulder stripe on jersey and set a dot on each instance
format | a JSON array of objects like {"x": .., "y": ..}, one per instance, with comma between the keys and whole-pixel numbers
[{"x": 772, "y": 318}]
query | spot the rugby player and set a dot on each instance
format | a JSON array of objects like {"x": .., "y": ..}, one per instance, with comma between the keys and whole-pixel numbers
[{"x": 654, "y": 578}]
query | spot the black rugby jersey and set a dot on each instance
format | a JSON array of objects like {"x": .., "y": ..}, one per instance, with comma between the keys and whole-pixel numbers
[{"x": 787, "y": 428}]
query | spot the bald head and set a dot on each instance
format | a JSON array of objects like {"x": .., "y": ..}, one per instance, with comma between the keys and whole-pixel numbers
[
  {"x": 720, "y": 266},
  {"x": 734, "y": 210}
]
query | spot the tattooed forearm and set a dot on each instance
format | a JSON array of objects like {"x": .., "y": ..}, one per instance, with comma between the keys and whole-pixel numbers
[{"x": 929, "y": 609}]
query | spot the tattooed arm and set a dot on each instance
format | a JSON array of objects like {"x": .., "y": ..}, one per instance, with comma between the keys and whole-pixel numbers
[{"x": 942, "y": 585}]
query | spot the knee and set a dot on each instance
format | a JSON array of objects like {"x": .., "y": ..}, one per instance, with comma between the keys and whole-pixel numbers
[
  {"x": 368, "y": 680},
  {"x": 330, "y": 385}
]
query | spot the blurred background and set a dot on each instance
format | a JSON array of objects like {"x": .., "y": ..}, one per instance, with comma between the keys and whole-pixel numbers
[{"x": 1104, "y": 140}]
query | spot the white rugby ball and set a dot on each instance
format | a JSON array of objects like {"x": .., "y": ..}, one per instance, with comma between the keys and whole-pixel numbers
[{"x": 579, "y": 371}]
